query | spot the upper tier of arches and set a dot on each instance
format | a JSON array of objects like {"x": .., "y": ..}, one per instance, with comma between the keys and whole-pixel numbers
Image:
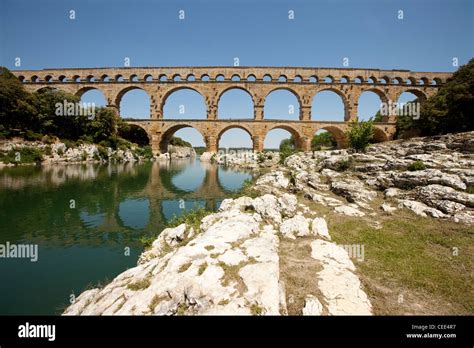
[{"x": 236, "y": 74}]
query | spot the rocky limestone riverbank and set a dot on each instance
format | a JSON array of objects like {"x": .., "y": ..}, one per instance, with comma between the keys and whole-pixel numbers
[
  {"x": 245, "y": 159},
  {"x": 432, "y": 176},
  {"x": 60, "y": 152},
  {"x": 272, "y": 253},
  {"x": 231, "y": 265}
]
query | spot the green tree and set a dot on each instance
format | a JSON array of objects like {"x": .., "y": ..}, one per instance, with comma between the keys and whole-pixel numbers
[
  {"x": 177, "y": 141},
  {"x": 288, "y": 144},
  {"x": 452, "y": 108},
  {"x": 287, "y": 148},
  {"x": 46, "y": 121},
  {"x": 16, "y": 105},
  {"x": 406, "y": 125},
  {"x": 104, "y": 126},
  {"x": 323, "y": 139},
  {"x": 360, "y": 134}
]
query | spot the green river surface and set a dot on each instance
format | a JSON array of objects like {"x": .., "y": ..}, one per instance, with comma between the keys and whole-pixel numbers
[{"x": 86, "y": 245}]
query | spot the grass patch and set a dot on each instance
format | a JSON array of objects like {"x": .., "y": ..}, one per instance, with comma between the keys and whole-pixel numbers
[
  {"x": 413, "y": 257},
  {"x": 202, "y": 268},
  {"x": 191, "y": 218},
  {"x": 417, "y": 165},
  {"x": 147, "y": 241},
  {"x": 231, "y": 274},
  {"x": 139, "y": 285},
  {"x": 184, "y": 267},
  {"x": 255, "y": 309},
  {"x": 155, "y": 301},
  {"x": 182, "y": 307},
  {"x": 298, "y": 271},
  {"x": 223, "y": 302},
  {"x": 345, "y": 165}
]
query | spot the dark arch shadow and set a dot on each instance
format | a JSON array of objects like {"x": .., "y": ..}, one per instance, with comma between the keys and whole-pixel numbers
[
  {"x": 338, "y": 135},
  {"x": 135, "y": 134},
  {"x": 168, "y": 134},
  {"x": 379, "y": 136}
]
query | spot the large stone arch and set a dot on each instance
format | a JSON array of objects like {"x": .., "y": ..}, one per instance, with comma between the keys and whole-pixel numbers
[
  {"x": 127, "y": 89},
  {"x": 230, "y": 88},
  {"x": 381, "y": 94},
  {"x": 227, "y": 89},
  {"x": 384, "y": 98},
  {"x": 81, "y": 91},
  {"x": 288, "y": 89},
  {"x": 340, "y": 93},
  {"x": 120, "y": 94},
  {"x": 133, "y": 133},
  {"x": 232, "y": 126},
  {"x": 38, "y": 89},
  {"x": 299, "y": 138},
  {"x": 338, "y": 134},
  {"x": 422, "y": 96},
  {"x": 172, "y": 90},
  {"x": 170, "y": 131}
]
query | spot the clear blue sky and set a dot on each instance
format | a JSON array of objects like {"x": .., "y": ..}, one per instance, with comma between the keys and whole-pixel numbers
[{"x": 213, "y": 32}]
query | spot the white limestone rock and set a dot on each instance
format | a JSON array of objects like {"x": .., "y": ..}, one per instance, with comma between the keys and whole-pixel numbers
[
  {"x": 387, "y": 208},
  {"x": 288, "y": 204},
  {"x": 349, "y": 211},
  {"x": 337, "y": 282},
  {"x": 268, "y": 207},
  {"x": 421, "y": 209},
  {"x": 353, "y": 190},
  {"x": 276, "y": 179},
  {"x": 297, "y": 226},
  {"x": 312, "y": 306},
  {"x": 192, "y": 279},
  {"x": 319, "y": 227}
]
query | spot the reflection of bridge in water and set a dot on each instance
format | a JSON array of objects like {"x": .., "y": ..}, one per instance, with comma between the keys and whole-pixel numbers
[
  {"x": 160, "y": 187},
  {"x": 97, "y": 218}
]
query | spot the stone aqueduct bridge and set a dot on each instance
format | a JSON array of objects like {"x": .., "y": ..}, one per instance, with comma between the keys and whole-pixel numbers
[{"x": 258, "y": 82}]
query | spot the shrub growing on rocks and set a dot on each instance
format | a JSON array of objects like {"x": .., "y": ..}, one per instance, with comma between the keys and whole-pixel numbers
[
  {"x": 360, "y": 134},
  {"x": 417, "y": 165}
]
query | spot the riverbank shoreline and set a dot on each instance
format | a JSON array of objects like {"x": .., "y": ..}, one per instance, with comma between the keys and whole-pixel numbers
[
  {"x": 244, "y": 258},
  {"x": 18, "y": 152}
]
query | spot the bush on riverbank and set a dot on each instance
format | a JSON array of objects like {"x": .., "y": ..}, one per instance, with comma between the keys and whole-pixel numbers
[
  {"x": 192, "y": 218},
  {"x": 359, "y": 134},
  {"x": 33, "y": 117},
  {"x": 22, "y": 155}
]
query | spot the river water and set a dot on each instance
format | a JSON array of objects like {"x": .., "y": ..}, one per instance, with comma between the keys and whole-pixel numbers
[{"x": 87, "y": 221}]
